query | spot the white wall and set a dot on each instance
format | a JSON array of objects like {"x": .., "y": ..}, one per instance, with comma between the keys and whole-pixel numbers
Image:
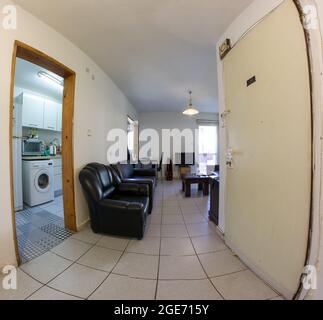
[
  {"x": 171, "y": 120},
  {"x": 99, "y": 106}
]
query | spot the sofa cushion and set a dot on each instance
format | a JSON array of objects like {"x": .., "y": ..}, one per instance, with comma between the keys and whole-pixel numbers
[
  {"x": 152, "y": 180},
  {"x": 126, "y": 171},
  {"x": 105, "y": 177},
  {"x": 132, "y": 199}
]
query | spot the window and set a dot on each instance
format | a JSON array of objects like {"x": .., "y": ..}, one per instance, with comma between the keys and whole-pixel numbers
[
  {"x": 208, "y": 147},
  {"x": 133, "y": 143}
]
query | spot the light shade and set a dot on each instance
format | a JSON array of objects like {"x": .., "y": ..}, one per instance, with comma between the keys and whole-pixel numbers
[{"x": 191, "y": 111}]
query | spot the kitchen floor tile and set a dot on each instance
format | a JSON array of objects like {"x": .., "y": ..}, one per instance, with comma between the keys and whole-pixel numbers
[
  {"x": 150, "y": 246},
  {"x": 71, "y": 249},
  {"x": 180, "y": 268},
  {"x": 199, "y": 229},
  {"x": 194, "y": 218},
  {"x": 176, "y": 230},
  {"x": 115, "y": 243},
  {"x": 87, "y": 235},
  {"x": 172, "y": 219},
  {"x": 221, "y": 263},
  {"x": 171, "y": 211},
  {"x": 208, "y": 244},
  {"x": 79, "y": 281},
  {"x": 100, "y": 258},
  {"x": 187, "y": 290},
  {"x": 176, "y": 247},
  {"x": 125, "y": 288},
  {"x": 153, "y": 231},
  {"x": 155, "y": 219},
  {"x": 243, "y": 286},
  {"x": 137, "y": 266},
  {"x": 48, "y": 294},
  {"x": 25, "y": 287},
  {"x": 46, "y": 267}
]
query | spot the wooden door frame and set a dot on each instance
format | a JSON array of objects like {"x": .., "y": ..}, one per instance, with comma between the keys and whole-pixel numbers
[{"x": 30, "y": 54}]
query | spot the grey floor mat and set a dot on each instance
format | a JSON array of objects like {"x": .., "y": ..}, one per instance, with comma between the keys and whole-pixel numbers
[{"x": 38, "y": 232}]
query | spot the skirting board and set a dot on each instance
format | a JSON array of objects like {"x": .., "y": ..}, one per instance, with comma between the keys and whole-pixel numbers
[
  {"x": 219, "y": 232},
  {"x": 263, "y": 275},
  {"x": 82, "y": 225}
]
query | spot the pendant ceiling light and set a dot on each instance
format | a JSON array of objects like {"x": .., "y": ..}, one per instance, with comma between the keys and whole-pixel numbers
[{"x": 191, "y": 111}]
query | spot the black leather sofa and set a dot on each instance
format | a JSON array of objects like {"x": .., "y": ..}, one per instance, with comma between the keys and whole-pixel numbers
[
  {"x": 115, "y": 208},
  {"x": 127, "y": 173}
]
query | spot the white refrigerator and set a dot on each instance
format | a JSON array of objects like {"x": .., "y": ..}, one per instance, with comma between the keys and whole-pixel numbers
[{"x": 17, "y": 155}]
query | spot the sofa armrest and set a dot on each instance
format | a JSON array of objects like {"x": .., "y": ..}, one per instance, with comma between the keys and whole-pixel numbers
[
  {"x": 120, "y": 207},
  {"x": 145, "y": 172},
  {"x": 133, "y": 189}
]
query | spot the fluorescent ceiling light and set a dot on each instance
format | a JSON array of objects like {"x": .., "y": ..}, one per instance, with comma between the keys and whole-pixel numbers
[
  {"x": 191, "y": 111},
  {"x": 46, "y": 76}
]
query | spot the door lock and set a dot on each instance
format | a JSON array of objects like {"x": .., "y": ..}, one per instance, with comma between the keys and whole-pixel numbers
[{"x": 229, "y": 159}]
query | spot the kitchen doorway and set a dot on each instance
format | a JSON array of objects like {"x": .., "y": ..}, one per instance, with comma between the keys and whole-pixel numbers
[{"x": 42, "y": 172}]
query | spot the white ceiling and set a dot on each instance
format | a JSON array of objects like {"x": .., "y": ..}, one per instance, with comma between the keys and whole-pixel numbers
[
  {"x": 154, "y": 50},
  {"x": 26, "y": 77}
]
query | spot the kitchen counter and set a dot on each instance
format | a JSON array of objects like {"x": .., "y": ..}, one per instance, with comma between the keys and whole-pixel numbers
[{"x": 40, "y": 158}]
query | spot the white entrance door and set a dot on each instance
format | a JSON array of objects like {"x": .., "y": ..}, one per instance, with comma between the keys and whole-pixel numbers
[{"x": 269, "y": 132}]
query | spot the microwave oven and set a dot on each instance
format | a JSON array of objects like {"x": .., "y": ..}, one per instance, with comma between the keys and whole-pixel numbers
[{"x": 33, "y": 147}]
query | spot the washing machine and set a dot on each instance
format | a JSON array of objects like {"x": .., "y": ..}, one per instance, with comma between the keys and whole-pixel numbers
[{"x": 38, "y": 182}]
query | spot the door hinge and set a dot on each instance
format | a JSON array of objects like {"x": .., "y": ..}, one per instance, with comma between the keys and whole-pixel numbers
[{"x": 225, "y": 48}]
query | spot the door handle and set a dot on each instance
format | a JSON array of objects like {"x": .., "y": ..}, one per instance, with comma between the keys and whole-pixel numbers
[{"x": 229, "y": 159}]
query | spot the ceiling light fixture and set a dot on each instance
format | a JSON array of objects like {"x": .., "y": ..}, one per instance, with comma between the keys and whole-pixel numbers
[
  {"x": 191, "y": 111},
  {"x": 47, "y": 76}
]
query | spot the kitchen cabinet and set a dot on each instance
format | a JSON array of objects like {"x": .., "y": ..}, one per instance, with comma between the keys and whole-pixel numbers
[
  {"x": 50, "y": 115},
  {"x": 32, "y": 111},
  {"x": 59, "y": 117},
  {"x": 41, "y": 113},
  {"x": 58, "y": 177}
]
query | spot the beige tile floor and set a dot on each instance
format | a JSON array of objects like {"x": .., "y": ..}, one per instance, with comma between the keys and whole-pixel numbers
[{"x": 180, "y": 258}]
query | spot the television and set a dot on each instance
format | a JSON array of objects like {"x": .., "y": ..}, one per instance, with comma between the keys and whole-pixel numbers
[{"x": 185, "y": 159}]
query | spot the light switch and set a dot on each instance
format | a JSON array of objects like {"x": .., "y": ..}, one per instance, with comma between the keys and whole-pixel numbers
[{"x": 89, "y": 133}]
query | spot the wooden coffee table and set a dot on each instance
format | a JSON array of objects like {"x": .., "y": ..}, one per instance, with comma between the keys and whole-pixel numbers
[{"x": 202, "y": 181}]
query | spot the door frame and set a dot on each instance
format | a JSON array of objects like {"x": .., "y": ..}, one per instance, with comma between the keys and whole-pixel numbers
[
  {"x": 239, "y": 28},
  {"x": 30, "y": 54}
]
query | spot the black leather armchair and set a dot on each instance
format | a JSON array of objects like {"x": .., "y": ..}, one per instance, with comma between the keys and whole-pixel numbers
[
  {"x": 115, "y": 208},
  {"x": 126, "y": 173}
]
